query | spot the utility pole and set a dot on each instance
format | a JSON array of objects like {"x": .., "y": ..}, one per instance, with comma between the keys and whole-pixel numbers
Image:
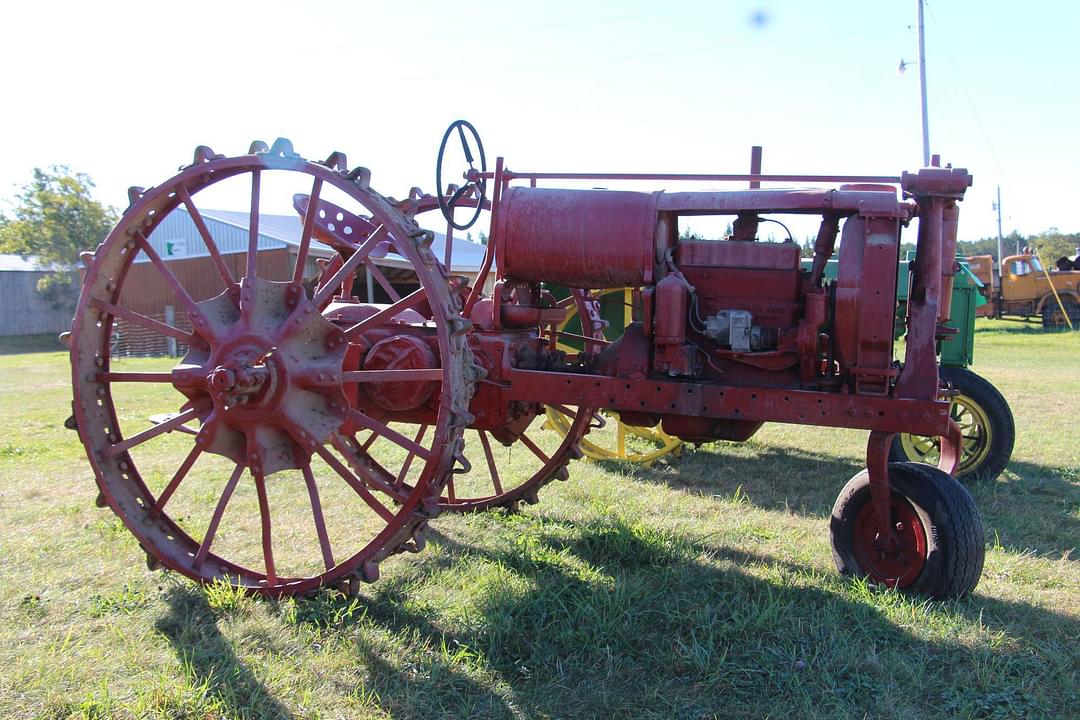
[
  {"x": 922, "y": 88},
  {"x": 1001, "y": 256}
]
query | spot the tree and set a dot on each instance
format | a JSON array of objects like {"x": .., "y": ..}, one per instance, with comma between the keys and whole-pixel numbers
[
  {"x": 1053, "y": 244},
  {"x": 56, "y": 218}
]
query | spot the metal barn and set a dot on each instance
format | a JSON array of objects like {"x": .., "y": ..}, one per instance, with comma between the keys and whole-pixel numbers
[{"x": 23, "y": 311}]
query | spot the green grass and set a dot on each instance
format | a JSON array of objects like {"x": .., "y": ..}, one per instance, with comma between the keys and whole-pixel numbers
[{"x": 700, "y": 587}]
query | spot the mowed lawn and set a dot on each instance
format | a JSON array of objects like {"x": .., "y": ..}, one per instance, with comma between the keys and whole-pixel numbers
[{"x": 697, "y": 588}]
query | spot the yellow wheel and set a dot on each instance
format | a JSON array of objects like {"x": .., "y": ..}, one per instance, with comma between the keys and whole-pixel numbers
[
  {"x": 611, "y": 439},
  {"x": 986, "y": 424},
  {"x": 616, "y": 440}
]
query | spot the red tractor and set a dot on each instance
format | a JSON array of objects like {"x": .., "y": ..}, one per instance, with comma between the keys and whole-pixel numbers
[{"x": 312, "y": 435}]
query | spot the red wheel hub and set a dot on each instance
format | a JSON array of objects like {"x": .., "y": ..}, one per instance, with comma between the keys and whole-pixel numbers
[
  {"x": 270, "y": 379},
  {"x": 895, "y": 559},
  {"x": 400, "y": 352}
]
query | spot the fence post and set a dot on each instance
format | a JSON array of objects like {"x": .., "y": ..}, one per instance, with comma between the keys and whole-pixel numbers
[{"x": 170, "y": 320}]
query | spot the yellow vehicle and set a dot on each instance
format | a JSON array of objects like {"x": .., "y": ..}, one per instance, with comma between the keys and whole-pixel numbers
[{"x": 1028, "y": 289}]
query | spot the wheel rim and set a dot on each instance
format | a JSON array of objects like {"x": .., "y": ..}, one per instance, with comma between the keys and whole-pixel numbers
[
  {"x": 975, "y": 428},
  {"x": 901, "y": 565},
  {"x": 260, "y": 406}
]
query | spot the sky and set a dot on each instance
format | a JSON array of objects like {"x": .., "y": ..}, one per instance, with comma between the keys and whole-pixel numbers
[{"x": 124, "y": 91}]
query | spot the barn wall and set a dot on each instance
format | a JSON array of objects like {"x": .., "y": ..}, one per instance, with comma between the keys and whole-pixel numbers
[
  {"x": 146, "y": 292},
  {"x": 22, "y": 309}
]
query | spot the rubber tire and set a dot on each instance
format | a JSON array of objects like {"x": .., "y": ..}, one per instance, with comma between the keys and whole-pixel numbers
[
  {"x": 955, "y": 547},
  {"x": 1050, "y": 309},
  {"x": 1003, "y": 427}
]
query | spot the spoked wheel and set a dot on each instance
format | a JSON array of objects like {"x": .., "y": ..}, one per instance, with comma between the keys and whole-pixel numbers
[
  {"x": 940, "y": 545},
  {"x": 243, "y": 479},
  {"x": 615, "y": 440},
  {"x": 985, "y": 421},
  {"x": 499, "y": 469}
]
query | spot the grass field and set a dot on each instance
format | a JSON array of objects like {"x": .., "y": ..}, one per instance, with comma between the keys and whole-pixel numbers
[{"x": 698, "y": 588}]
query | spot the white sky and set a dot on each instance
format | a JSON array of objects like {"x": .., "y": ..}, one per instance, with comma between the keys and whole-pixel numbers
[{"x": 124, "y": 91}]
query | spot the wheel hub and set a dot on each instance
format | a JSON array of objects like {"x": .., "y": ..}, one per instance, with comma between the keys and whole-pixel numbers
[
  {"x": 240, "y": 383},
  {"x": 893, "y": 558},
  {"x": 400, "y": 352},
  {"x": 271, "y": 378}
]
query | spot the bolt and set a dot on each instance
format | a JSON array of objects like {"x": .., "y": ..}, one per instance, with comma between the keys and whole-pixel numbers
[
  {"x": 899, "y": 527},
  {"x": 223, "y": 379}
]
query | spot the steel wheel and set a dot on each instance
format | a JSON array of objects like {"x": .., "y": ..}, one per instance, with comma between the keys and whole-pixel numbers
[
  {"x": 986, "y": 424},
  {"x": 498, "y": 470},
  {"x": 243, "y": 478},
  {"x": 614, "y": 440}
]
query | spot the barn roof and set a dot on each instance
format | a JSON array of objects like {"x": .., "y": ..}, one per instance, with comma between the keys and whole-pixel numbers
[
  {"x": 177, "y": 236},
  {"x": 18, "y": 263}
]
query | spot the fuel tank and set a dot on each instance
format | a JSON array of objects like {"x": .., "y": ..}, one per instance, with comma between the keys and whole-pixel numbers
[{"x": 581, "y": 238}]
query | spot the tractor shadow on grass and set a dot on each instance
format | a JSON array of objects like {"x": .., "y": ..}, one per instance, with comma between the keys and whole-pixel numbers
[
  {"x": 1030, "y": 508},
  {"x": 208, "y": 659},
  {"x": 773, "y": 478},
  {"x": 431, "y": 678},
  {"x": 611, "y": 618}
]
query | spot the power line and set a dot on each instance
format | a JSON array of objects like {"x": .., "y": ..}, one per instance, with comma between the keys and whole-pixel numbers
[{"x": 963, "y": 88}]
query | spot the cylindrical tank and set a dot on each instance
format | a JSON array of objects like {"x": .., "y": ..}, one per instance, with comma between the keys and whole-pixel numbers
[
  {"x": 672, "y": 300},
  {"x": 578, "y": 238}
]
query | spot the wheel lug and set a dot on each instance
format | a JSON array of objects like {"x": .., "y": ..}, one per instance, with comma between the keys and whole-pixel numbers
[{"x": 899, "y": 527}]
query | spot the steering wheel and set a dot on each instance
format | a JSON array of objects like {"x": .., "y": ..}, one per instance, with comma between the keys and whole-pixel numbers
[{"x": 447, "y": 204}]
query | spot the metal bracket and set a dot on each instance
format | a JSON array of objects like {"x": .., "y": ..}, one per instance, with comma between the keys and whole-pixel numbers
[
  {"x": 877, "y": 465},
  {"x": 952, "y": 448}
]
